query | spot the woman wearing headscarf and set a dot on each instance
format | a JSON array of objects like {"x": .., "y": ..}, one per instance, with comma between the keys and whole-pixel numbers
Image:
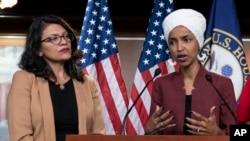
[{"x": 184, "y": 102}]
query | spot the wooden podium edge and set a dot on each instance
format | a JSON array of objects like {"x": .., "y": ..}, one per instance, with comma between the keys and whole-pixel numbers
[{"x": 145, "y": 138}]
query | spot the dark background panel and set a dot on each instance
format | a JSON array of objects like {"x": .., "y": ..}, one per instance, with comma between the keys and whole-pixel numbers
[{"x": 127, "y": 15}]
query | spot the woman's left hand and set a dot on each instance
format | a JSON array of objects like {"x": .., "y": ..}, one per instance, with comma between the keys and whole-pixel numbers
[{"x": 204, "y": 125}]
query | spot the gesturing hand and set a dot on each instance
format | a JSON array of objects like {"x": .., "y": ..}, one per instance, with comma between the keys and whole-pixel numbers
[
  {"x": 204, "y": 125},
  {"x": 158, "y": 121}
]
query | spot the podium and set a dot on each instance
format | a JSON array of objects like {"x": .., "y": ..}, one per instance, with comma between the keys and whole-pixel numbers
[{"x": 145, "y": 138}]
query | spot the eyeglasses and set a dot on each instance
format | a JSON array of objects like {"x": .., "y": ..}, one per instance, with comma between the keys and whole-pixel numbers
[{"x": 56, "y": 39}]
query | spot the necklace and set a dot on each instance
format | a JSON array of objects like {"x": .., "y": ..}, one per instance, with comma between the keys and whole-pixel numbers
[
  {"x": 61, "y": 86},
  {"x": 62, "y": 80}
]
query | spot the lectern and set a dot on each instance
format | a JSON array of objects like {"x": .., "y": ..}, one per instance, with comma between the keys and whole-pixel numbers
[{"x": 145, "y": 138}]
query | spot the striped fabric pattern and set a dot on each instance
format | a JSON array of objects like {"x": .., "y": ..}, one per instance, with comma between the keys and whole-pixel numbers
[
  {"x": 101, "y": 61},
  {"x": 155, "y": 54}
]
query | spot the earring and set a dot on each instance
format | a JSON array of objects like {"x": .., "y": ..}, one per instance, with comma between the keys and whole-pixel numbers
[{"x": 40, "y": 54}]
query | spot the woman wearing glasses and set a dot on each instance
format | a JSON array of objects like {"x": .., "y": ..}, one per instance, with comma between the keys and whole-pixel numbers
[{"x": 50, "y": 97}]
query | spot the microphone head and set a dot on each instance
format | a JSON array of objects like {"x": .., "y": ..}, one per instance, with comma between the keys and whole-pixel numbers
[
  {"x": 157, "y": 72},
  {"x": 209, "y": 78}
]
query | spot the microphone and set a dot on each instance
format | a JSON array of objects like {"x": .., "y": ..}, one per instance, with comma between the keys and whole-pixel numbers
[
  {"x": 209, "y": 79},
  {"x": 156, "y": 73}
]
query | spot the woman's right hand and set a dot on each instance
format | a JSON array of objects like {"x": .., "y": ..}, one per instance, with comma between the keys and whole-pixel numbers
[{"x": 158, "y": 121}]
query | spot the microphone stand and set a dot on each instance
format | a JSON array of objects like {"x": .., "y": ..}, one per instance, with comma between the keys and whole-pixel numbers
[
  {"x": 209, "y": 79},
  {"x": 156, "y": 73}
]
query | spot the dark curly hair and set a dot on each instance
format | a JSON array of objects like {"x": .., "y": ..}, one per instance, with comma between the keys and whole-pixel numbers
[{"x": 32, "y": 62}]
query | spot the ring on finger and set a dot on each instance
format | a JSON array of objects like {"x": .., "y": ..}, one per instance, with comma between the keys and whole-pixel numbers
[
  {"x": 198, "y": 130},
  {"x": 162, "y": 124}
]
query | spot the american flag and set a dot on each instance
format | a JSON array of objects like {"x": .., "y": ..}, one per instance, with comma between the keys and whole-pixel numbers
[
  {"x": 101, "y": 61},
  {"x": 155, "y": 54}
]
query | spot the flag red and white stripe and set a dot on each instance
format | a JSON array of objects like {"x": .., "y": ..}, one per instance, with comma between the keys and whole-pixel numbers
[
  {"x": 101, "y": 61},
  {"x": 155, "y": 54}
]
